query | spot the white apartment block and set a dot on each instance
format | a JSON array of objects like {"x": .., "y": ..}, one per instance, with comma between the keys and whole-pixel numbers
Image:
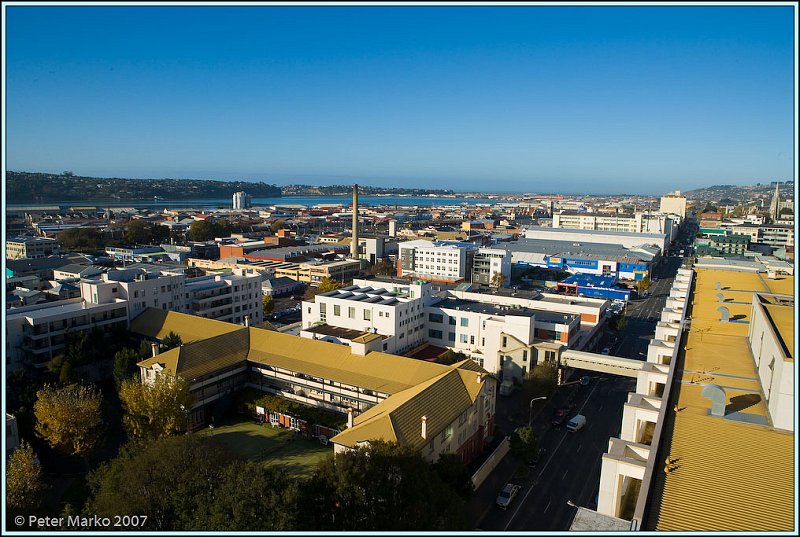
[
  {"x": 141, "y": 289},
  {"x": 428, "y": 260},
  {"x": 393, "y": 310},
  {"x": 507, "y": 336},
  {"x": 31, "y": 248},
  {"x": 620, "y": 222},
  {"x": 35, "y": 334},
  {"x": 490, "y": 261},
  {"x": 242, "y": 200},
  {"x": 226, "y": 297}
]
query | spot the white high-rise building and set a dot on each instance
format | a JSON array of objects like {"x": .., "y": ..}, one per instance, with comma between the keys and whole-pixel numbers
[
  {"x": 242, "y": 200},
  {"x": 673, "y": 203}
]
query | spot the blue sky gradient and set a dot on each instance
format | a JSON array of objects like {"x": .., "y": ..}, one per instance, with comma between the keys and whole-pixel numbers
[{"x": 526, "y": 98}]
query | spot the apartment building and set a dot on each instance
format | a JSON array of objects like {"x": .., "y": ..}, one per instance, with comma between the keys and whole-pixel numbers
[
  {"x": 370, "y": 387},
  {"x": 490, "y": 261},
  {"x": 242, "y": 200},
  {"x": 445, "y": 261},
  {"x": 620, "y": 222},
  {"x": 673, "y": 203},
  {"x": 708, "y": 397},
  {"x": 31, "y": 248},
  {"x": 226, "y": 297},
  {"x": 394, "y": 310},
  {"x": 139, "y": 289},
  {"x": 36, "y": 334}
]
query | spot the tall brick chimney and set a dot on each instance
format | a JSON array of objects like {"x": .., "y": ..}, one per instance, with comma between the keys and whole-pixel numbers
[{"x": 354, "y": 243}]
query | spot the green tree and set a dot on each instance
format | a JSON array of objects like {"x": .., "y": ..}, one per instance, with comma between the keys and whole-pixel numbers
[
  {"x": 382, "y": 487},
  {"x": 454, "y": 473},
  {"x": 267, "y": 304},
  {"x": 81, "y": 239},
  {"x": 618, "y": 322},
  {"x": 66, "y": 375},
  {"x": 250, "y": 497},
  {"x": 172, "y": 340},
  {"x": 159, "y": 234},
  {"x": 786, "y": 210},
  {"x": 69, "y": 418},
  {"x": 138, "y": 232},
  {"x": 524, "y": 443},
  {"x": 168, "y": 480},
  {"x": 158, "y": 409},
  {"x": 383, "y": 267},
  {"x": 325, "y": 285},
  {"x": 125, "y": 367},
  {"x": 450, "y": 357},
  {"x": 200, "y": 231},
  {"x": 24, "y": 485}
]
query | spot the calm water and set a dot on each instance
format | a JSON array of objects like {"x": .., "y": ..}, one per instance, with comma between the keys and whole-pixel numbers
[{"x": 308, "y": 201}]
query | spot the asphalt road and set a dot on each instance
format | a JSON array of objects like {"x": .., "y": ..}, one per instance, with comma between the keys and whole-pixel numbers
[{"x": 570, "y": 468}]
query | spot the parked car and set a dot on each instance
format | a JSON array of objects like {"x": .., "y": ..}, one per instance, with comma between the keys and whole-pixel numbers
[
  {"x": 536, "y": 458},
  {"x": 560, "y": 416},
  {"x": 507, "y": 495},
  {"x": 606, "y": 351}
]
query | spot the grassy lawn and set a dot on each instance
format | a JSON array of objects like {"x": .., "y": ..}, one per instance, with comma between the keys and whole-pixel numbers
[{"x": 272, "y": 445}]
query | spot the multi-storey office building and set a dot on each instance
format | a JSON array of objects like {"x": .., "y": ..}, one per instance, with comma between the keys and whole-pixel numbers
[
  {"x": 619, "y": 222},
  {"x": 368, "y": 386},
  {"x": 452, "y": 262},
  {"x": 31, "y": 248},
  {"x": 488, "y": 262},
  {"x": 226, "y": 297},
  {"x": 139, "y": 288}
]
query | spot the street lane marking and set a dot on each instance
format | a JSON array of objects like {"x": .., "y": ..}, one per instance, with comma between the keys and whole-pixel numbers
[
  {"x": 579, "y": 448},
  {"x": 548, "y": 506},
  {"x": 565, "y": 474}
]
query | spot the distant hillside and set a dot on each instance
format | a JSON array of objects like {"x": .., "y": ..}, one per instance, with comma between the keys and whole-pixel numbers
[
  {"x": 27, "y": 187},
  {"x": 736, "y": 193}
]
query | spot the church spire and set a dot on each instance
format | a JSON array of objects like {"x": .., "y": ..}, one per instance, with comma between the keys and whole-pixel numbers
[{"x": 773, "y": 207}]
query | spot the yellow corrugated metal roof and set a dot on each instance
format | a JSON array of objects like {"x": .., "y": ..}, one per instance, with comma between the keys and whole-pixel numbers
[
  {"x": 441, "y": 400},
  {"x": 377, "y": 371},
  {"x": 733, "y": 473},
  {"x": 155, "y": 323},
  {"x": 198, "y": 358},
  {"x": 783, "y": 319},
  {"x": 730, "y": 476}
]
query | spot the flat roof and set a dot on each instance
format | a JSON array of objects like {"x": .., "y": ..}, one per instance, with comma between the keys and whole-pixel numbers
[
  {"x": 497, "y": 309},
  {"x": 734, "y": 473},
  {"x": 576, "y": 249},
  {"x": 659, "y": 236},
  {"x": 344, "y": 333}
]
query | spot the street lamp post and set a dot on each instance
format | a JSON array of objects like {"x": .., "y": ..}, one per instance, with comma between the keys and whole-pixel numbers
[{"x": 530, "y": 411}]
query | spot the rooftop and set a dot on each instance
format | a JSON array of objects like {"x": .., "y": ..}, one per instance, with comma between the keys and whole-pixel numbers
[
  {"x": 577, "y": 249},
  {"x": 501, "y": 310},
  {"x": 539, "y": 229},
  {"x": 735, "y": 472}
]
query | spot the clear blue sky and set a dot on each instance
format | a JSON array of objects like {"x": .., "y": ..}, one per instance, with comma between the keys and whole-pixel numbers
[{"x": 550, "y": 99}]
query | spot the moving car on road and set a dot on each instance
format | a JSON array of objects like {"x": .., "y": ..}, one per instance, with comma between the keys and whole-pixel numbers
[
  {"x": 507, "y": 495},
  {"x": 560, "y": 416}
]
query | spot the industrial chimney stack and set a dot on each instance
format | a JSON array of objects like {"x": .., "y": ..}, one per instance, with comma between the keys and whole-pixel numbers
[{"x": 354, "y": 243}]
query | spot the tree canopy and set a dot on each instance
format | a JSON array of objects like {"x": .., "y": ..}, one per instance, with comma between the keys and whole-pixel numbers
[
  {"x": 69, "y": 418},
  {"x": 156, "y": 410},
  {"x": 24, "y": 484}
]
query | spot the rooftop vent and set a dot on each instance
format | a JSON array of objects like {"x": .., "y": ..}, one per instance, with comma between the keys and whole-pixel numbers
[
  {"x": 717, "y": 286},
  {"x": 717, "y": 396},
  {"x": 720, "y": 297},
  {"x": 725, "y": 314}
]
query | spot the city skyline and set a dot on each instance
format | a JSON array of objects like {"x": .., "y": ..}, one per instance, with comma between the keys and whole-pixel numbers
[{"x": 564, "y": 99}]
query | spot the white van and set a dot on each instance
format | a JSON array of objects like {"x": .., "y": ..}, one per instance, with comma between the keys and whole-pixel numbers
[{"x": 576, "y": 423}]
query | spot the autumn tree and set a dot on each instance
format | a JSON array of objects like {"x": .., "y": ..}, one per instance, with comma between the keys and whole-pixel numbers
[
  {"x": 24, "y": 484},
  {"x": 498, "y": 279},
  {"x": 325, "y": 285},
  {"x": 156, "y": 410},
  {"x": 384, "y": 267},
  {"x": 69, "y": 418},
  {"x": 80, "y": 239}
]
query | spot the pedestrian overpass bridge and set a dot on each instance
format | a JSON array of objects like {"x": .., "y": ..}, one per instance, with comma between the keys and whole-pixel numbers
[{"x": 601, "y": 363}]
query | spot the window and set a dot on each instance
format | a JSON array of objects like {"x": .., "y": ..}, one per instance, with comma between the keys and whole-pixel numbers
[
  {"x": 351, "y": 312},
  {"x": 323, "y": 307},
  {"x": 524, "y": 356},
  {"x": 436, "y": 334},
  {"x": 367, "y": 315},
  {"x": 447, "y": 433},
  {"x": 435, "y": 317},
  {"x": 452, "y": 321},
  {"x": 337, "y": 310},
  {"x": 464, "y": 321},
  {"x": 483, "y": 342},
  {"x": 472, "y": 340},
  {"x": 451, "y": 336},
  {"x": 505, "y": 341},
  {"x": 463, "y": 338}
]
